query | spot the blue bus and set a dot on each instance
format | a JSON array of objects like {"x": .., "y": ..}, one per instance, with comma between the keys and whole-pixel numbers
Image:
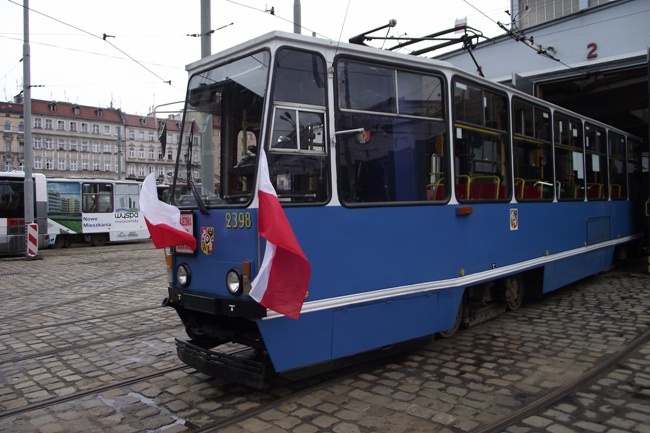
[{"x": 425, "y": 199}]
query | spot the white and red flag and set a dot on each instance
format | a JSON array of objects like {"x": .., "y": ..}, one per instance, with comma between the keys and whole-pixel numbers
[
  {"x": 163, "y": 220},
  {"x": 281, "y": 284}
]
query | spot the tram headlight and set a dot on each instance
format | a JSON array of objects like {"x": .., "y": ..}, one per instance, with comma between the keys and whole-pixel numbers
[
  {"x": 234, "y": 282},
  {"x": 183, "y": 275}
]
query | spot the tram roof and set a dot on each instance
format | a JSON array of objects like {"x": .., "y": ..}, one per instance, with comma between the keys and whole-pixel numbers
[{"x": 279, "y": 38}]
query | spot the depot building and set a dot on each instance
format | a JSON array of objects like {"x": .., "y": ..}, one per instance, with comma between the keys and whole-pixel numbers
[{"x": 590, "y": 56}]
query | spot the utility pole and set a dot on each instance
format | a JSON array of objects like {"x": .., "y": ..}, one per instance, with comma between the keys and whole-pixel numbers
[
  {"x": 207, "y": 153},
  {"x": 297, "y": 17},
  {"x": 119, "y": 153},
  {"x": 27, "y": 114}
]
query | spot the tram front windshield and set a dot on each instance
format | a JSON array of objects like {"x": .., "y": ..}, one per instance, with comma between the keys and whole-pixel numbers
[{"x": 223, "y": 121}]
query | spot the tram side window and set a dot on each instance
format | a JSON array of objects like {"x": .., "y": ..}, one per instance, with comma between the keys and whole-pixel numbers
[
  {"x": 63, "y": 197},
  {"x": 596, "y": 163},
  {"x": 400, "y": 156},
  {"x": 97, "y": 197},
  {"x": 298, "y": 152},
  {"x": 617, "y": 176},
  {"x": 532, "y": 152},
  {"x": 569, "y": 165},
  {"x": 481, "y": 146},
  {"x": 634, "y": 168},
  {"x": 127, "y": 196}
]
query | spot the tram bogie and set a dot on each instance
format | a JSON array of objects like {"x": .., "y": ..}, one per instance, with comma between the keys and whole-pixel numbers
[{"x": 424, "y": 199}]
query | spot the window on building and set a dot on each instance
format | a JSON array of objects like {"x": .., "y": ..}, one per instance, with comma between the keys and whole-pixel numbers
[
  {"x": 21, "y": 127},
  {"x": 84, "y": 165},
  {"x": 73, "y": 165},
  {"x": 48, "y": 143},
  {"x": 8, "y": 146},
  {"x": 73, "y": 145},
  {"x": 60, "y": 125},
  {"x": 161, "y": 172},
  {"x": 84, "y": 146},
  {"x": 107, "y": 147},
  {"x": 141, "y": 153},
  {"x": 107, "y": 166},
  {"x": 131, "y": 134},
  {"x": 49, "y": 165},
  {"x": 61, "y": 143},
  {"x": 151, "y": 136},
  {"x": 73, "y": 126},
  {"x": 7, "y": 126},
  {"x": 141, "y": 135},
  {"x": 95, "y": 147},
  {"x": 84, "y": 127},
  {"x": 96, "y": 165},
  {"x": 37, "y": 122},
  {"x": 151, "y": 153},
  {"x": 95, "y": 128},
  {"x": 131, "y": 152},
  {"x": 131, "y": 170},
  {"x": 107, "y": 129},
  {"x": 61, "y": 164},
  {"x": 48, "y": 123},
  {"x": 37, "y": 142},
  {"x": 38, "y": 163},
  {"x": 141, "y": 171}
]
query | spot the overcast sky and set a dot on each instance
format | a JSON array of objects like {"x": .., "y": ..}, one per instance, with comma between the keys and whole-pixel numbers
[{"x": 148, "y": 43}]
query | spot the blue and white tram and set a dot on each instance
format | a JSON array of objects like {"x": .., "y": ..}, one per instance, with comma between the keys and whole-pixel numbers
[{"x": 424, "y": 198}]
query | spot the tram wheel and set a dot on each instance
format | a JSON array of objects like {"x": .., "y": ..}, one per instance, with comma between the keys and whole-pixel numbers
[
  {"x": 459, "y": 319},
  {"x": 514, "y": 292},
  {"x": 98, "y": 240},
  {"x": 59, "y": 242}
]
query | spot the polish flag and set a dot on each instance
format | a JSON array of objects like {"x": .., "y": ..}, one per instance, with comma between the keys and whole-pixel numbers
[
  {"x": 281, "y": 284},
  {"x": 163, "y": 220}
]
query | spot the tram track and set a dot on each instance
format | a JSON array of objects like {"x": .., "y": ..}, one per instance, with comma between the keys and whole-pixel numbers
[
  {"x": 111, "y": 289},
  {"x": 555, "y": 396},
  {"x": 78, "y": 320},
  {"x": 80, "y": 394},
  {"x": 87, "y": 345}
]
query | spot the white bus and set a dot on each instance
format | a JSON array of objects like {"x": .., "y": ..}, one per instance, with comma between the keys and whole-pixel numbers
[{"x": 12, "y": 212}]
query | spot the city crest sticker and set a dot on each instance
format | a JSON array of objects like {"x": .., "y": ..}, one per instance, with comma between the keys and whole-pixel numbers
[
  {"x": 514, "y": 219},
  {"x": 207, "y": 240}
]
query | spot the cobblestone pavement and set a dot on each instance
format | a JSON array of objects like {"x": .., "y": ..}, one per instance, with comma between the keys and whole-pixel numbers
[{"x": 85, "y": 347}]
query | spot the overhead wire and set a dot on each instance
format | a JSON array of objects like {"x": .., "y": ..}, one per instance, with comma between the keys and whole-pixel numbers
[
  {"x": 273, "y": 13},
  {"x": 104, "y": 37}
]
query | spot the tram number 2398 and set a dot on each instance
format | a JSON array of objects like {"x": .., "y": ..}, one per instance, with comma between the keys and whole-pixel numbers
[{"x": 238, "y": 220}]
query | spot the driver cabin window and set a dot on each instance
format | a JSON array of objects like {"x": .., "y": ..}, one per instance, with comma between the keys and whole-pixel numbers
[{"x": 298, "y": 152}]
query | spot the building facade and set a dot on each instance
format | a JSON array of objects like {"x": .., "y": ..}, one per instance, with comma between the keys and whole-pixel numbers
[
  {"x": 590, "y": 56},
  {"x": 72, "y": 140}
]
